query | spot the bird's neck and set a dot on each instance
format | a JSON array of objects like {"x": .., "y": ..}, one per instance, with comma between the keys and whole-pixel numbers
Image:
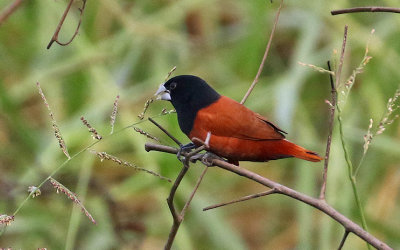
[{"x": 187, "y": 112}]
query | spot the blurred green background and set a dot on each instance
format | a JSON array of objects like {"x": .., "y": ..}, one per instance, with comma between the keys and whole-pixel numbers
[{"x": 127, "y": 47}]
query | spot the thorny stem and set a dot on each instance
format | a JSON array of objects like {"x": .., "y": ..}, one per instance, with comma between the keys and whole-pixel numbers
[{"x": 265, "y": 55}]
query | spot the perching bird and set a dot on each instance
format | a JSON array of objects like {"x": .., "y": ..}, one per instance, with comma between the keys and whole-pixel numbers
[{"x": 237, "y": 133}]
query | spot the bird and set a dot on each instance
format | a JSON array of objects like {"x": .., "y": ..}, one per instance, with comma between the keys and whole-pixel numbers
[{"x": 234, "y": 132}]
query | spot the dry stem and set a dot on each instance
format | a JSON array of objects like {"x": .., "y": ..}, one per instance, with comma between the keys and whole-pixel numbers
[
  {"x": 245, "y": 198},
  {"x": 365, "y": 9},
  {"x": 265, "y": 55},
  {"x": 166, "y": 132},
  {"x": 281, "y": 189},
  {"x": 54, "y": 38},
  {"x": 178, "y": 217},
  {"x": 329, "y": 140},
  {"x": 9, "y": 11}
]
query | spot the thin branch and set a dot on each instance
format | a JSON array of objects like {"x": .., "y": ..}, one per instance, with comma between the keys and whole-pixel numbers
[
  {"x": 166, "y": 132},
  {"x": 265, "y": 55},
  {"x": 281, "y": 189},
  {"x": 183, "y": 212},
  {"x": 178, "y": 217},
  {"x": 9, "y": 11},
  {"x": 245, "y": 198},
  {"x": 346, "y": 233},
  {"x": 332, "y": 106},
  {"x": 365, "y": 9},
  {"x": 60, "y": 24}
]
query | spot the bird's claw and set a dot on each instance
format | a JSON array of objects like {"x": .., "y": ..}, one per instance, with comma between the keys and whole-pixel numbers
[
  {"x": 207, "y": 159},
  {"x": 184, "y": 149}
]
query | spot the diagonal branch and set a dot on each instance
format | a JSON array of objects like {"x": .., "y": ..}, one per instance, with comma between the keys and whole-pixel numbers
[
  {"x": 281, "y": 189},
  {"x": 9, "y": 10},
  {"x": 178, "y": 217},
  {"x": 54, "y": 38},
  {"x": 365, "y": 9},
  {"x": 265, "y": 55},
  {"x": 332, "y": 105},
  {"x": 166, "y": 132},
  {"x": 245, "y": 198},
  {"x": 346, "y": 233}
]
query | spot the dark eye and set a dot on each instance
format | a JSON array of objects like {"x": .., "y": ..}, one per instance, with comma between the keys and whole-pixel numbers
[{"x": 172, "y": 86}]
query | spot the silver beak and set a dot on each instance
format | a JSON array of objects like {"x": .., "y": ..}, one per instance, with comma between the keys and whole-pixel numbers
[{"x": 162, "y": 93}]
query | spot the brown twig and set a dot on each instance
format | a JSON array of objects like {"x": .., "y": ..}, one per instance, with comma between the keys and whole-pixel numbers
[
  {"x": 60, "y": 24},
  {"x": 245, "y": 198},
  {"x": 365, "y": 9},
  {"x": 166, "y": 132},
  {"x": 9, "y": 10},
  {"x": 281, "y": 189},
  {"x": 332, "y": 105},
  {"x": 346, "y": 233},
  {"x": 178, "y": 217},
  {"x": 265, "y": 55},
  {"x": 183, "y": 212}
]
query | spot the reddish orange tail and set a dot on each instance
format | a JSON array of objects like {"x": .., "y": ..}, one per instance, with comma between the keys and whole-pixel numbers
[{"x": 302, "y": 153}]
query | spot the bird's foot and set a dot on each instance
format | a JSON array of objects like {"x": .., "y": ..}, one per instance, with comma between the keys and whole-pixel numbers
[
  {"x": 185, "y": 149},
  {"x": 207, "y": 159}
]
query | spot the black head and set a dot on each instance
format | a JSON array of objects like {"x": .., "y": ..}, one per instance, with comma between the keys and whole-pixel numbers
[{"x": 188, "y": 94}]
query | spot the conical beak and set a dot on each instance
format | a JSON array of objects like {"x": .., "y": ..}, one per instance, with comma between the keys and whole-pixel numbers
[{"x": 163, "y": 94}]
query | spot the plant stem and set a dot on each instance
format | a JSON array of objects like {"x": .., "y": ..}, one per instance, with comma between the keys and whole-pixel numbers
[
  {"x": 65, "y": 163},
  {"x": 350, "y": 173}
]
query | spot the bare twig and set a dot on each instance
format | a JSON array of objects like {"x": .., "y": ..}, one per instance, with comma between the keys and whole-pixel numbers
[
  {"x": 9, "y": 10},
  {"x": 346, "y": 233},
  {"x": 332, "y": 106},
  {"x": 60, "y": 24},
  {"x": 365, "y": 9},
  {"x": 265, "y": 55},
  {"x": 193, "y": 192},
  {"x": 281, "y": 189},
  {"x": 166, "y": 132},
  {"x": 178, "y": 217},
  {"x": 245, "y": 198}
]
